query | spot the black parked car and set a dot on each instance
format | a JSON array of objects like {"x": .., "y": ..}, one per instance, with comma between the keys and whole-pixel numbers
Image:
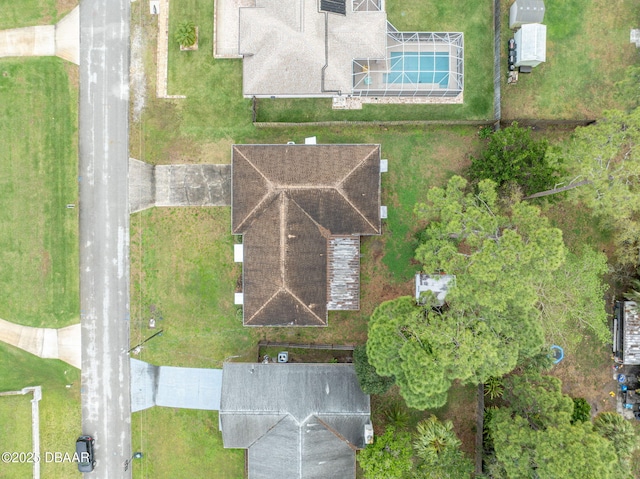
[{"x": 84, "y": 450}]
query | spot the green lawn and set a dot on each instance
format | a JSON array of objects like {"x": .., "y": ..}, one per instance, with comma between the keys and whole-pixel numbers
[
  {"x": 182, "y": 443},
  {"x": 15, "y": 431},
  {"x": 60, "y": 421},
  {"x": 183, "y": 275},
  {"x": 38, "y": 171},
  {"x": 409, "y": 15},
  {"x": 199, "y": 127},
  {"x": 419, "y": 157},
  {"x": 588, "y": 51},
  {"x": 33, "y": 12}
]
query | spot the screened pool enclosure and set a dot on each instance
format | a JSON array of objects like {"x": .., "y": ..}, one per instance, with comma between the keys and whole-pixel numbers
[{"x": 416, "y": 64}]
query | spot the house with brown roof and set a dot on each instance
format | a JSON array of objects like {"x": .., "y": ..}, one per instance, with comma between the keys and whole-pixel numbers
[{"x": 301, "y": 210}]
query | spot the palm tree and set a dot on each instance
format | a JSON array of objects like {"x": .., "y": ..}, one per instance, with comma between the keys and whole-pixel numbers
[
  {"x": 618, "y": 430},
  {"x": 434, "y": 439},
  {"x": 186, "y": 34}
]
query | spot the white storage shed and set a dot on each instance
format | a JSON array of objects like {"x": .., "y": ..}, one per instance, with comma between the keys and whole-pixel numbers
[
  {"x": 531, "y": 45},
  {"x": 525, "y": 11}
]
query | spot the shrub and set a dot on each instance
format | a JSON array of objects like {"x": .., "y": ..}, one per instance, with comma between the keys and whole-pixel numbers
[
  {"x": 397, "y": 415},
  {"x": 370, "y": 381},
  {"x": 494, "y": 388},
  {"x": 581, "y": 410},
  {"x": 513, "y": 155},
  {"x": 186, "y": 34}
]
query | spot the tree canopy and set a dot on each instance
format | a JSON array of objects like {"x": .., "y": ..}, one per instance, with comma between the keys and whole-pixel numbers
[
  {"x": 389, "y": 457},
  {"x": 438, "y": 448},
  {"x": 604, "y": 158},
  {"x": 533, "y": 436},
  {"x": 619, "y": 431},
  {"x": 497, "y": 255},
  {"x": 513, "y": 155},
  {"x": 491, "y": 320},
  {"x": 185, "y": 35},
  {"x": 573, "y": 298},
  {"x": 370, "y": 381}
]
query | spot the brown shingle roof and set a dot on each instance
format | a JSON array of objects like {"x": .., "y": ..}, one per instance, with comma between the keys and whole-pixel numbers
[{"x": 287, "y": 201}]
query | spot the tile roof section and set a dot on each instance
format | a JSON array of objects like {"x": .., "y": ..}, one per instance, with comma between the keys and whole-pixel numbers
[{"x": 288, "y": 201}]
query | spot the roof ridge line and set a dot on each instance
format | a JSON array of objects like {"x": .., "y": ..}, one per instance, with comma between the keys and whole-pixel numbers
[
  {"x": 284, "y": 282},
  {"x": 264, "y": 305},
  {"x": 340, "y": 190},
  {"x": 358, "y": 165},
  {"x": 337, "y": 434},
  {"x": 270, "y": 187},
  {"x": 341, "y": 193},
  {"x": 264, "y": 199},
  {"x": 268, "y": 431}
]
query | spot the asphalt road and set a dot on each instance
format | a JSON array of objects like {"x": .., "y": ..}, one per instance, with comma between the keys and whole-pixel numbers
[{"x": 104, "y": 232}]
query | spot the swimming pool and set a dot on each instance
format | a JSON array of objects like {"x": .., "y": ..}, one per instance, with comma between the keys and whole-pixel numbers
[{"x": 419, "y": 67}]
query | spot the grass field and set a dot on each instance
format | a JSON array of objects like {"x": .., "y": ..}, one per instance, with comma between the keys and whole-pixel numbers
[
  {"x": 38, "y": 170},
  {"x": 33, "y": 12},
  {"x": 429, "y": 16},
  {"x": 588, "y": 51},
  {"x": 419, "y": 157},
  {"x": 15, "y": 431},
  {"x": 183, "y": 275},
  {"x": 214, "y": 111},
  {"x": 182, "y": 443},
  {"x": 60, "y": 423}
]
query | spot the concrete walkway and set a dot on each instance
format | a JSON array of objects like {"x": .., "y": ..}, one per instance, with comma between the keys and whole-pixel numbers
[
  {"x": 162, "y": 57},
  {"x": 178, "y": 185},
  {"x": 47, "y": 343},
  {"x": 62, "y": 40}
]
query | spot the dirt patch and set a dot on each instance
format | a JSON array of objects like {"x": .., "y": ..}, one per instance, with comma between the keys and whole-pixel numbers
[
  {"x": 464, "y": 424},
  {"x": 45, "y": 263},
  {"x": 73, "y": 73},
  {"x": 65, "y": 6},
  {"x": 307, "y": 355},
  {"x": 216, "y": 153},
  {"x": 588, "y": 374}
]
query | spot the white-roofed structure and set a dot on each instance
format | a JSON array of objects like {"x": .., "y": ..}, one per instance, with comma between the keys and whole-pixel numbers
[
  {"x": 526, "y": 11},
  {"x": 531, "y": 45},
  {"x": 333, "y": 48},
  {"x": 437, "y": 284}
]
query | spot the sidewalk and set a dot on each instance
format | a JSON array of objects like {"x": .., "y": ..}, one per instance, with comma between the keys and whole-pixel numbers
[
  {"x": 63, "y": 343},
  {"x": 62, "y": 40}
]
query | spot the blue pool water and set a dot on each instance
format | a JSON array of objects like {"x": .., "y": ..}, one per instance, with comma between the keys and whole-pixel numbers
[{"x": 414, "y": 67}]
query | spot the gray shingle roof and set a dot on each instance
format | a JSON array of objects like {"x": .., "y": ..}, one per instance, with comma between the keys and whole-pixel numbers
[
  {"x": 287, "y": 43},
  {"x": 297, "y": 420}
]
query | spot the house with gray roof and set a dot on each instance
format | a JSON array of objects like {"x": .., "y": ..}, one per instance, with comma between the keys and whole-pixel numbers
[
  {"x": 335, "y": 48},
  {"x": 301, "y": 210},
  {"x": 296, "y": 421}
]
